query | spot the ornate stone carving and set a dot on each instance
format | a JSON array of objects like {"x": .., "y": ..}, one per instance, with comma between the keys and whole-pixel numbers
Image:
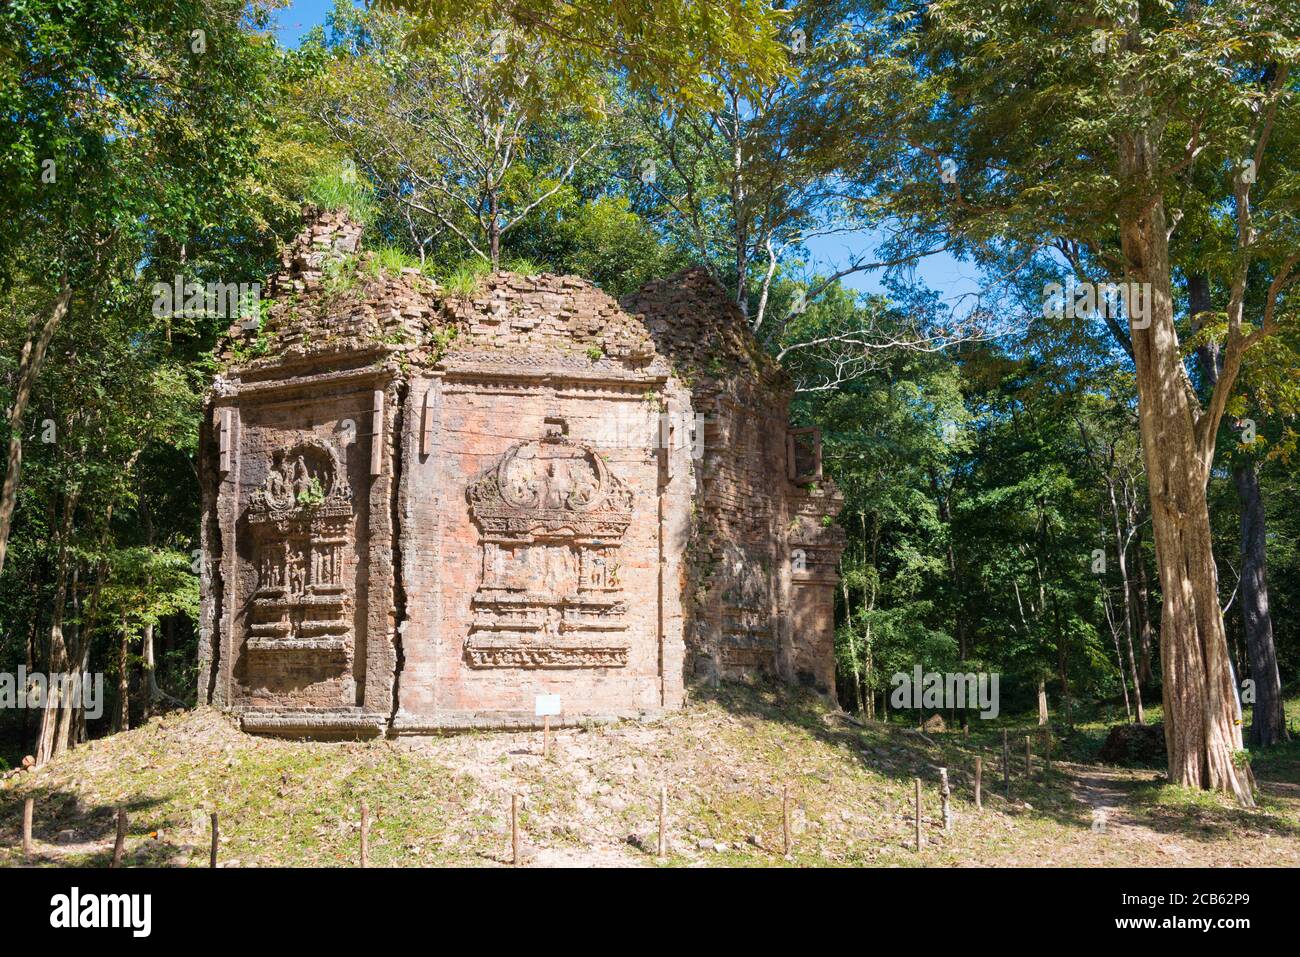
[
  {"x": 815, "y": 543},
  {"x": 552, "y": 518},
  {"x": 552, "y": 487},
  {"x": 301, "y": 517},
  {"x": 546, "y": 363},
  {"x": 306, "y": 482},
  {"x": 523, "y": 656}
]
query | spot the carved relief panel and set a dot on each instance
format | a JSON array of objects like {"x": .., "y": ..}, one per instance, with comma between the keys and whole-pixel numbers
[
  {"x": 551, "y": 518},
  {"x": 301, "y": 520}
]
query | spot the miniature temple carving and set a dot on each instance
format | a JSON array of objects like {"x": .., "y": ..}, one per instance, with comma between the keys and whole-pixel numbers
[
  {"x": 552, "y": 518},
  {"x": 301, "y": 518}
]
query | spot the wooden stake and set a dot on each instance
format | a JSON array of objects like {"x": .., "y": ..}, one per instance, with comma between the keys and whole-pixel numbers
[
  {"x": 944, "y": 794},
  {"x": 785, "y": 818},
  {"x": 1006, "y": 766},
  {"x": 918, "y": 815},
  {"x": 1029, "y": 759},
  {"x": 28, "y": 806},
  {"x": 120, "y": 845},
  {"x": 212, "y": 861},
  {"x": 365, "y": 834},
  {"x": 514, "y": 828},
  {"x": 663, "y": 817},
  {"x": 979, "y": 774}
]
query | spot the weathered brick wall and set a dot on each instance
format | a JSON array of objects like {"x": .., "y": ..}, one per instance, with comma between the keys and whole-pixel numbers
[
  {"x": 299, "y": 607},
  {"x": 540, "y": 491},
  {"x": 538, "y": 314},
  {"x": 754, "y": 606},
  {"x": 539, "y": 356}
]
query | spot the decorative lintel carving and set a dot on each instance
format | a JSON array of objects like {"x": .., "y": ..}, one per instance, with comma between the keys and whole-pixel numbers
[{"x": 552, "y": 518}]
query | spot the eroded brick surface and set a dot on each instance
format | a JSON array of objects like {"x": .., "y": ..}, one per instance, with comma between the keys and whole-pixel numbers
[{"x": 421, "y": 511}]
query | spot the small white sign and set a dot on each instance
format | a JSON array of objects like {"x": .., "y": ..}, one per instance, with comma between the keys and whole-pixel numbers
[{"x": 546, "y": 704}]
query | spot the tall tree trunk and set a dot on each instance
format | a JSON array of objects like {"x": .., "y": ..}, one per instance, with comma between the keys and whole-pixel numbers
[
  {"x": 65, "y": 733},
  {"x": 869, "y": 606},
  {"x": 1269, "y": 723},
  {"x": 739, "y": 199},
  {"x": 868, "y": 680},
  {"x": 1268, "y": 726},
  {"x": 73, "y": 719},
  {"x": 92, "y": 617},
  {"x": 29, "y": 367},
  {"x": 151, "y": 693},
  {"x": 31, "y": 651},
  {"x": 1142, "y": 605},
  {"x": 58, "y": 656},
  {"x": 1043, "y": 716},
  {"x": 1121, "y": 552},
  {"x": 494, "y": 229},
  {"x": 1062, "y": 665},
  {"x": 853, "y": 647},
  {"x": 71, "y": 729},
  {"x": 122, "y": 719},
  {"x": 1119, "y": 657},
  {"x": 1201, "y": 737}
]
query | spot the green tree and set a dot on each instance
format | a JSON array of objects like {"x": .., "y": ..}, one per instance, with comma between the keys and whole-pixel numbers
[
  {"x": 127, "y": 136},
  {"x": 134, "y": 159},
  {"x": 670, "y": 46},
  {"x": 449, "y": 136},
  {"x": 1040, "y": 124}
]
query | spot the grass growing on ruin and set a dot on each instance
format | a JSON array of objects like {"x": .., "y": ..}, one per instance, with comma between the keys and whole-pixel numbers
[
  {"x": 726, "y": 760},
  {"x": 463, "y": 279},
  {"x": 345, "y": 191},
  {"x": 390, "y": 261}
]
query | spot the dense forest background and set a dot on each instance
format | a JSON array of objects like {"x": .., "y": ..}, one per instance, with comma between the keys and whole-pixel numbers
[{"x": 997, "y": 505}]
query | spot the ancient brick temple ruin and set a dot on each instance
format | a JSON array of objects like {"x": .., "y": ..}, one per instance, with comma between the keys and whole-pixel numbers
[{"x": 421, "y": 510}]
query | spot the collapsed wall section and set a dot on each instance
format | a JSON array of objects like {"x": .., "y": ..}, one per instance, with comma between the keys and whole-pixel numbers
[{"x": 764, "y": 548}]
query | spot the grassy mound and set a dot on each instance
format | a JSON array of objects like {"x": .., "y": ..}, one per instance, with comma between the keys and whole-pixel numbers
[{"x": 725, "y": 760}]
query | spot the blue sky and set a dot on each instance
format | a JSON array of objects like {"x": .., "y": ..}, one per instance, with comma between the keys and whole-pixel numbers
[
  {"x": 299, "y": 17},
  {"x": 942, "y": 272}
]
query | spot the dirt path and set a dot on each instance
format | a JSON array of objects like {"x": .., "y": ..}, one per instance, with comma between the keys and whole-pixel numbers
[
  {"x": 584, "y": 857},
  {"x": 1105, "y": 793},
  {"x": 1108, "y": 792}
]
